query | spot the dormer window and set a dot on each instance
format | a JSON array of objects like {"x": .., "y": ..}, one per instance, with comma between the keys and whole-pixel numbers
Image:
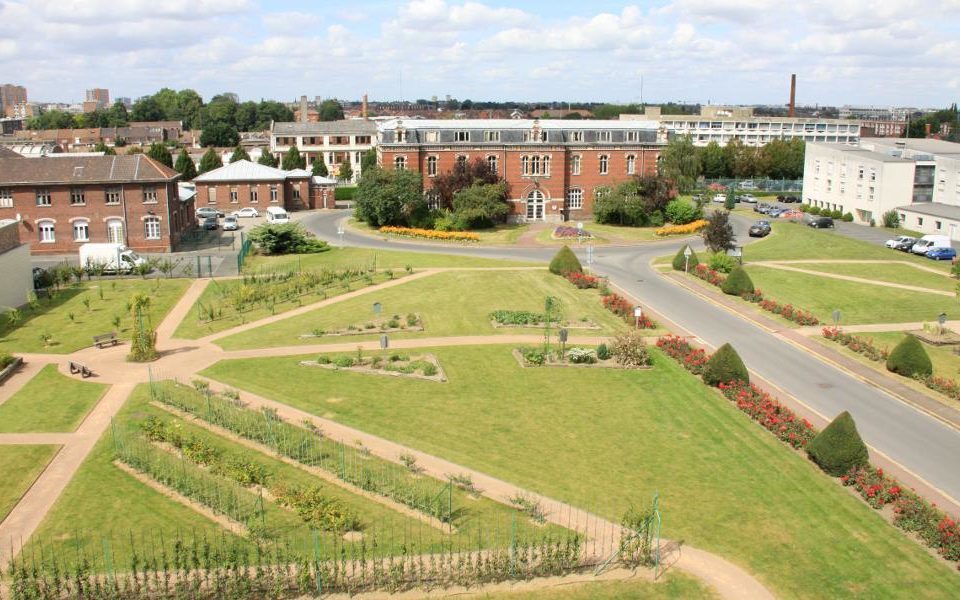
[
  {"x": 461, "y": 136},
  {"x": 603, "y": 136},
  {"x": 491, "y": 136}
]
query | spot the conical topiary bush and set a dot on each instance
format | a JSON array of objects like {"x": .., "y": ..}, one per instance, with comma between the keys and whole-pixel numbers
[
  {"x": 909, "y": 358},
  {"x": 838, "y": 448},
  {"x": 680, "y": 261},
  {"x": 737, "y": 282},
  {"x": 564, "y": 262},
  {"x": 725, "y": 366}
]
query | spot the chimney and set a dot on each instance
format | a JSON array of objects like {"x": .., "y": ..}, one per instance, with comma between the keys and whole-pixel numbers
[
  {"x": 363, "y": 110},
  {"x": 303, "y": 108},
  {"x": 793, "y": 94},
  {"x": 926, "y": 129}
]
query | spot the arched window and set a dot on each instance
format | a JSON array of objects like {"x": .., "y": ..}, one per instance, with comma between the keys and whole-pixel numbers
[
  {"x": 631, "y": 164},
  {"x": 400, "y": 163},
  {"x": 546, "y": 165},
  {"x": 492, "y": 163},
  {"x": 575, "y": 165},
  {"x": 151, "y": 228},
  {"x": 81, "y": 230},
  {"x": 525, "y": 165},
  {"x": 535, "y": 203},
  {"x": 534, "y": 165},
  {"x": 47, "y": 231},
  {"x": 604, "y": 164},
  {"x": 431, "y": 165}
]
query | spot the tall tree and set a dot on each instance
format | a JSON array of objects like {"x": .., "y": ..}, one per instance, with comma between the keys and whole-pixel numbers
[
  {"x": 782, "y": 159},
  {"x": 718, "y": 234},
  {"x": 346, "y": 171},
  {"x": 388, "y": 197},
  {"x": 711, "y": 161},
  {"x": 463, "y": 175},
  {"x": 368, "y": 160},
  {"x": 185, "y": 166},
  {"x": 210, "y": 161},
  {"x": 330, "y": 110},
  {"x": 146, "y": 109},
  {"x": 220, "y": 134},
  {"x": 740, "y": 159},
  {"x": 107, "y": 150},
  {"x": 267, "y": 158},
  {"x": 319, "y": 167},
  {"x": 158, "y": 151},
  {"x": 293, "y": 160},
  {"x": 239, "y": 154},
  {"x": 680, "y": 163}
]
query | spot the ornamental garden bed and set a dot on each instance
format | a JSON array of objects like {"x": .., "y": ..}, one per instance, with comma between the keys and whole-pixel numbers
[
  {"x": 568, "y": 233},
  {"x": 527, "y": 319},
  {"x": 575, "y": 357},
  {"x": 395, "y": 364},
  {"x": 412, "y": 322},
  {"x": 931, "y": 335}
]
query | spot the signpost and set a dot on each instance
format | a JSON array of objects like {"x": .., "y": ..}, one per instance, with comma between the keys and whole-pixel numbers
[
  {"x": 686, "y": 258},
  {"x": 589, "y": 254},
  {"x": 377, "y": 308},
  {"x": 638, "y": 314},
  {"x": 340, "y": 232},
  {"x": 942, "y": 320},
  {"x": 836, "y": 317},
  {"x": 384, "y": 342},
  {"x": 579, "y": 232},
  {"x": 563, "y": 342}
]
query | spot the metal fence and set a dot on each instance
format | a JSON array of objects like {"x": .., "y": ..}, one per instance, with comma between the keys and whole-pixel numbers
[
  {"x": 245, "y": 245},
  {"x": 763, "y": 185}
]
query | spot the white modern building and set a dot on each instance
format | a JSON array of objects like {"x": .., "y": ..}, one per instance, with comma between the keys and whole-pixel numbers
[
  {"x": 723, "y": 124},
  {"x": 917, "y": 178},
  {"x": 334, "y": 142}
]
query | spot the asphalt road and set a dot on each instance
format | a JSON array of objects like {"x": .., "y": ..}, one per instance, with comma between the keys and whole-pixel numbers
[{"x": 921, "y": 443}]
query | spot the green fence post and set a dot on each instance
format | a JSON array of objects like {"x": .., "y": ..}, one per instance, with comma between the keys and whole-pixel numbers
[
  {"x": 316, "y": 562},
  {"x": 199, "y": 274}
]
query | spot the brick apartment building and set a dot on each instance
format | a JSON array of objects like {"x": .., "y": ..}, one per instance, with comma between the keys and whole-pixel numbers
[
  {"x": 554, "y": 169},
  {"x": 62, "y": 201},
  {"x": 244, "y": 183}
]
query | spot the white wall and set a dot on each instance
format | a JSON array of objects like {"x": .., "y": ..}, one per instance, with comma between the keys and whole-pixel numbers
[{"x": 17, "y": 277}]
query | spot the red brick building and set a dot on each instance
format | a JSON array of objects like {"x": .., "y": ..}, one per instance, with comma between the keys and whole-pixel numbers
[
  {"x": 64, "y": 201},
  {"x": 244, "y": 183},
  {"x": 554, "y": 169}
]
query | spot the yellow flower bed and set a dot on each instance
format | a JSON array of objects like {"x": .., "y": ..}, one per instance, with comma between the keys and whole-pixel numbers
[
  {"x": 692, "y": 227},
  {"x": 432, "y": 234}
]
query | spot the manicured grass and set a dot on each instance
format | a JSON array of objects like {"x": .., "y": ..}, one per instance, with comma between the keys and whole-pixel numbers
[
  {"x": 339, "y": 257},
  {"x": 795, "y": 241},
  {"x": 450, "y": 303},
  {"x": 50, "y": 402},
  {"x": 605, "y": 439},
  {"x": 501, "y": 235},
  {"x": 219, "y": 294},
  {"x": 858, "y": 302},
  {"x": 52, "y": 316},
  {"x": 21, "y": 467},
  {"x": 894, "y": 273},
  {"x": 604, "y": 234},
  {"x": 674, "y": 584}
]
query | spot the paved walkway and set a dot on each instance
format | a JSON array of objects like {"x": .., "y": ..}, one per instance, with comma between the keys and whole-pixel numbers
[
  {"x": 839, "y": 261},
  {"x": 184, "y": 358}
]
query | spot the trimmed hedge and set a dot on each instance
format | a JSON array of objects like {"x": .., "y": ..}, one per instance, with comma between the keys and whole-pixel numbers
[
  {"x": 680, "y": 260},
  {"x": 737, "y": 283},
  {"x": 838, "y": 449},
  {"x": 909, "y": 358},
  {"x": 345, "y": 193},
  {"x": 565, "y": 262},
  {"x": 725, "y": 366}
]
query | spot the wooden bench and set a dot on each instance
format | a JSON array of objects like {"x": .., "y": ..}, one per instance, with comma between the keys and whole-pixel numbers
[
  {"x": 105, "y": 339},
  {"x": 76, "y": 367}
]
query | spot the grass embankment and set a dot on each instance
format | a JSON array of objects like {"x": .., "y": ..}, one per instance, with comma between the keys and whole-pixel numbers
[
  {"x": 50, "y": 402},
  {"x": 21, "y": 467},
  {"x": 339, "y": 257},
  {"x": 449, "y": 304},
  {"x": 52, "y": 317},
  {"x": 904, "y": 274},
  {"x": 725, "y": 485}
]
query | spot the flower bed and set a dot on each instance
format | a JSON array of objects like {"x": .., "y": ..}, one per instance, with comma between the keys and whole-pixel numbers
[
  {"x": 692, "y": 227},
  {"x": 623, "y": 308},
  {"x": 527, "y": 319},
  {"x": 432, "y": 234},
  {"x": 787, "y": 311},
  {"x": 910, "y": 513},
  {"x": 859, "y": 345},
  {"x": 395, "y": 364},
  {"x": 564, "y": 232},
  {"x": 582, "y": 280}
]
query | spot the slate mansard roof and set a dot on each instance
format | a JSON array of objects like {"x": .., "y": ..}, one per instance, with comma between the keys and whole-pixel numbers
[{"x": 512, "y": 131}]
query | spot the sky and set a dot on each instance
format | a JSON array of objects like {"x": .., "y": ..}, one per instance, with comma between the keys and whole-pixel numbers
[{"x": 860, "y": 52}]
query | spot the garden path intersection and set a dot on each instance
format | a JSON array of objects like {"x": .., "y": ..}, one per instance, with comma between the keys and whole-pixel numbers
[{"x": 183, "y": 359}]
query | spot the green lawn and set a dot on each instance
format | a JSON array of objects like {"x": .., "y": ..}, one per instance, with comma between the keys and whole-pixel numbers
[
  {"x": 675, "y": 584},
  {"x": 339, "y": 257},
  {"x": 219, "y": 294},
  {"x": 894, "y": 273},
  {"x": 450, "y": 303},
  {"x": 21, "y": 467},
  {"x": 501, "y": 235},
  {"x": 53, "y": 316},
  {"x": 858, "y": 302},
  {"x": 50, "y": 402},
  {"x": 795, "y": 241},
  {"x": 605, "y": 439}
]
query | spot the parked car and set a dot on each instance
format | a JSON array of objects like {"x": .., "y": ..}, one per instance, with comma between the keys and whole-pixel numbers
[
  {"x": 210, "y": 223},
  {"x": 760, "y": 229},
  {"x": 205, "y": 212},
  {"x": 775, "y": 211},
  {"x": 762, "y": 208},
  {"x": 230, "y": 223},
  {"x": 907, "y": 244},
  {"x": 247, "y": 211},
  {"x": 900, "y": 239},
  {"x": 821, "y": 223},
  {"x": 748, "y": 198},
  {"x": 929, "y": 242},
  {"x": 720, "y": 198},
  {"x": 748, "y": 185},
  {"x": 942, "y": 253},
  {"x": 791, "y": 199}
]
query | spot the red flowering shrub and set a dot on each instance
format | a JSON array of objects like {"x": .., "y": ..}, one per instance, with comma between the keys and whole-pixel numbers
[
  {"x": 582, "y": 280},
  {"x": 860, "y": 345},
  {"x": 947, "y": 387},
  {"x": 788, "y": 312},
  {"x": 874, "y": 487},
  {"x": 623, "y": 308},
  {"x": 949, "y": 539},
  {"x": 755, "y": 296},
  {"x": 709, "y": 275},
  {"x": 680, "y": 350},
  {"x": 775, "y": 417}
]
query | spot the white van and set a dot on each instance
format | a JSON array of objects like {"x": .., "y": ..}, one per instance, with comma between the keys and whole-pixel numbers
[
  {"x": 112, "y": 257},
  {"x": 929, "y": 242},
  {"x": 275, "y": 214}
]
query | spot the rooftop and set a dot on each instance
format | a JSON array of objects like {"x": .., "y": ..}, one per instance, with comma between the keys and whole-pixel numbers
[
  {"x": 862, "y": 152},
  {"x": 84, "y": 169},
  {"x": 520, "y": 124},
  {"x": 245, "y": 170},
  {"x": 925, "y": 145},
  {"x": 348, "y": 126},
  {"x": 933, "y": 209}
]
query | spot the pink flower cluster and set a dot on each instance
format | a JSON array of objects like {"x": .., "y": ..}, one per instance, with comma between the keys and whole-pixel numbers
[{"x": 773, "y": 416}]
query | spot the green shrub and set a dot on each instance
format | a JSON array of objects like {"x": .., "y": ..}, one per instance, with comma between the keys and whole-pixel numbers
[
  {"x": 891, "y": 219},
  {"x": 429, "y": 369},
  {"x": 345, "y": 193},
  {"x": 720, "y": 262},
  {"x": 680, "y": 260},
  {"x": 6, "y": 359},
  {"x": 847, "y": 217},
  {"x": 838, "y": 448},
  {"x": 603, "y": 352},
  {"x": 725, "y": 366},
  {"x": 630, "y": 350},
  {"x": 814, "y": 210},
  {"x": 681, "y": 211},
  {"x": 533, "y": 356},
  {"x": 737, "y": 283},
  {"x": 583, "y": 356},
  {"x": 909, "y": 358},
  {"x": 343, "y": 361},
  {"x": 286, "y": 238},
  {"x": 565, "y": 262}
]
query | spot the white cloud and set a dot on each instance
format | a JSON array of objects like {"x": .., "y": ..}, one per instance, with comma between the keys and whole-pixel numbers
[{"x": 291, "y": 22}]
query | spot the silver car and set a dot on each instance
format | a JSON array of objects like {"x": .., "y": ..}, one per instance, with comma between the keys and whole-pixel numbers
[{"x": 230, "y": 223}]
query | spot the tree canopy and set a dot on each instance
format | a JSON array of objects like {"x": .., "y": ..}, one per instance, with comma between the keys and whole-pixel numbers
[
  {"x": 267, "y": 158},
  {"x": 330, "y": 110},
  {"x": 638, "y": 202},
  {"x": 389, "y": 197},
  {"x": 159, "y": 152},
  {"x": 463, "y": 175},
  {"x": 293, "y": 160},
  {"x": 319, "y": 167},
  {"x": 188, "y": 106},
  {"x": 185, "y": 166},
  {"x": 210, "y": 161},
  {"x": 239, "y": 154},
  {"x": 680, "y": 163}
]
